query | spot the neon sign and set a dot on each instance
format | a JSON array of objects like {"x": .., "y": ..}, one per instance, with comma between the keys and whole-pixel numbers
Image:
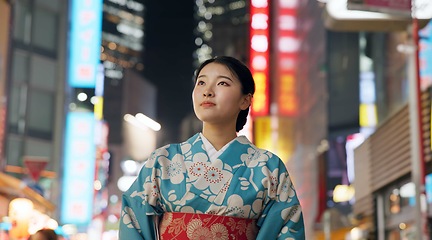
[
  {"x": 286, "y": 55},
  {"x": 259, "y": 56}
]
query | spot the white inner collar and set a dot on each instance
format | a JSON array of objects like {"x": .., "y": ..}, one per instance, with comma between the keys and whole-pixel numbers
[{"x": 211, "y": 150}]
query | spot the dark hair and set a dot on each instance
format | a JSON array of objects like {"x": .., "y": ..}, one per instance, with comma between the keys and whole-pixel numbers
[
  {"x": 48, "y": 234},
  {"x": 244, "y": 75}
]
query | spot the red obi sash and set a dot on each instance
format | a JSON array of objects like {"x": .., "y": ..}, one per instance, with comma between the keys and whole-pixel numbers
[{"x": 178, "y": 225}]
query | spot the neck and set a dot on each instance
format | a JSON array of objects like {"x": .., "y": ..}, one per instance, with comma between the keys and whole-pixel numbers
[{"x": 219, "y": 136}]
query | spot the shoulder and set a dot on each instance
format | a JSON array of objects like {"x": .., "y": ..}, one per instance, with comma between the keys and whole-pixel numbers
[
  {"x": 254, "y": 154},
  {"x": 164, "y": 151},
  {"x": 170, "y": 150},
  {"x": 253, "y": 149}
]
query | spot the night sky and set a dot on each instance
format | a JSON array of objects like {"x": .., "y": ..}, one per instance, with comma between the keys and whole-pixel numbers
[{"x": 168, "y": 61}]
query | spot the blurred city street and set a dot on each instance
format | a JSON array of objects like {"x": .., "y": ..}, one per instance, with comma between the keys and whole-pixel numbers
[{"x": 90, "y": 88}]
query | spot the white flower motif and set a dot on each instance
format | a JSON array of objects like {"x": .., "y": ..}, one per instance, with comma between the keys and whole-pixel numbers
[
  {"x": 198, "y": 169},
  {"x": 225, "y": 187},
  {"x": 153, "y": 157},
  {"x": 150, "y": 194},
  {"x": 187, "y": 209},
  {"x": 196, "y": 165},
  {"x": 243, "y": 140},
  {"x": 244, "y": 183},
  {"x": 188, "y": 196},
  {"x": 257, "y": 205},
  {"x": 186, "y": 148},
  {"x": 152, "y": 188},
  {"x": 287, "y": 192},
  {"x": 254, "y": 157},
  {"x": 270, "y": 181},
  {"x": 129, "y": 219},
  {"x": 292, "y": 213},
  {"x": 215, "y": 177},
  {"x": 172, "y": 195},
  {"x": 172, "y": 169},
  {"x": 237, "y": 208},
  {"x": 216, "y": 209}
]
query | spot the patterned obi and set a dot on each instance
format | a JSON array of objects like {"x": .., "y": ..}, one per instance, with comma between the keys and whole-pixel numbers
[{"x": 178, "y": 225}]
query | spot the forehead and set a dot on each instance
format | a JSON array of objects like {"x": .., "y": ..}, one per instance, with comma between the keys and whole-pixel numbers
[{"x": 216, "y": 68}]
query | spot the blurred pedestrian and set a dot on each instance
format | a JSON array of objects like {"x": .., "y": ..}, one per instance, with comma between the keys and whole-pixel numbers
[
  {"x": 44, "y": 234},
  {"x": 216, "y": 185}
]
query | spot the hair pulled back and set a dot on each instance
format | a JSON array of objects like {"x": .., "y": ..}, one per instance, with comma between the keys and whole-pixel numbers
[{"x": 243, "y": 74}]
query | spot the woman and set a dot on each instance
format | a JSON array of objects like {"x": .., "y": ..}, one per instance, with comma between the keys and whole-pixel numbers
[{"x": 216, "y": 185}]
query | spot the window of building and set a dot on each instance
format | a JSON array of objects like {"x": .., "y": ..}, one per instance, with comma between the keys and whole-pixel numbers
[
  {"x": 43, "y": 73},
  {"x": 15, "y": 110},
  {"x": 44, "y": 34},
  {"x": 20, "y": 66},
  {"x": 14, "y": 150},
  {"x": 22, "y": 21},
  {"x": 40, "y": 114}
]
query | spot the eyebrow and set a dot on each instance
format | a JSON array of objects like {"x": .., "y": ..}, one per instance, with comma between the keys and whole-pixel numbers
[{"x": 220, "y": 76}]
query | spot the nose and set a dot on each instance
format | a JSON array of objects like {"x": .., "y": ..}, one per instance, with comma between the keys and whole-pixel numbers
[{"x": 208, "y": 93}]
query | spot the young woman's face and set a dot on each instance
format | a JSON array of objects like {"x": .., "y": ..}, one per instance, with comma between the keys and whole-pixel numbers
[{"x": 217, "y": 96}]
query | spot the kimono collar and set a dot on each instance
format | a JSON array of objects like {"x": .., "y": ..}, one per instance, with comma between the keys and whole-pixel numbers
[
  {"x": 211, "y": 150},
  {"x": 230, "y": 155}
]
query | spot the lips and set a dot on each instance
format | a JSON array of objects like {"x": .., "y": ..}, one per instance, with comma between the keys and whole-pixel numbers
[{"x": 207, "y": 104}]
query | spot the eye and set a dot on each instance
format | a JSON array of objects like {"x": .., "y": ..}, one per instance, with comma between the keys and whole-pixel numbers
[
  {"x": 200, "y": 82},
  {"x": 223, "y": 83}
]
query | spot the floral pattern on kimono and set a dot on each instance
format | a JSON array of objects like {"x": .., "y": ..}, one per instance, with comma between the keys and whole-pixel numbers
[{"x": 244, "y": 181}]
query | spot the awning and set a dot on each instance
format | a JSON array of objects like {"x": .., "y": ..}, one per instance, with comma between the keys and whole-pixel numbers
[
  {"x": 13, "y": 187},
  {"x": 338, "y": 18}
]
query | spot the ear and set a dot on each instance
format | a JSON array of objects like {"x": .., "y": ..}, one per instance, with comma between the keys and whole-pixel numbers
[{"x": 246, "y": 102}]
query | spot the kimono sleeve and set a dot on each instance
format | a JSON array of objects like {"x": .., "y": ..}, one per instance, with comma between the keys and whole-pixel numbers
[
  {"x": 140, "y": 207},
  {"x": 282, "y": 217}
]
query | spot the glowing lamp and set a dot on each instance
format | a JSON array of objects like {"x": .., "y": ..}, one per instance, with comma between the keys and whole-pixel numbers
[{"x": 20, "y": 212}]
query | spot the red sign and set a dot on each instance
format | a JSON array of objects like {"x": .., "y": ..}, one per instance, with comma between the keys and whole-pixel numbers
[
  {"x": 35, "y": 166},
  {"x": 259, "y": 56}
]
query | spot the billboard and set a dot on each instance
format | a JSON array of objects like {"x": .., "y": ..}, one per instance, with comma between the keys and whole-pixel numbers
[
  {"x": 85, "y": 41},
  {"x": 79, "y": 168}
]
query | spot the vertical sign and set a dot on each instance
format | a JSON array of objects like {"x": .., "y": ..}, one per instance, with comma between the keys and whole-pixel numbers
[
  {"x": 287, "y": 45},
  {"x": 259, "y": 55},
  {"x": 79, "y": 168},
  {"x": 425, "y": 59},
  {"x": 85, "y": 42},
  {"x": 425, "y": 56}
]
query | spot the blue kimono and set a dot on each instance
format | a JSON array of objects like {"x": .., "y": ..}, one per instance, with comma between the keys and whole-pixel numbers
[{"x": 244, "y": 181}]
